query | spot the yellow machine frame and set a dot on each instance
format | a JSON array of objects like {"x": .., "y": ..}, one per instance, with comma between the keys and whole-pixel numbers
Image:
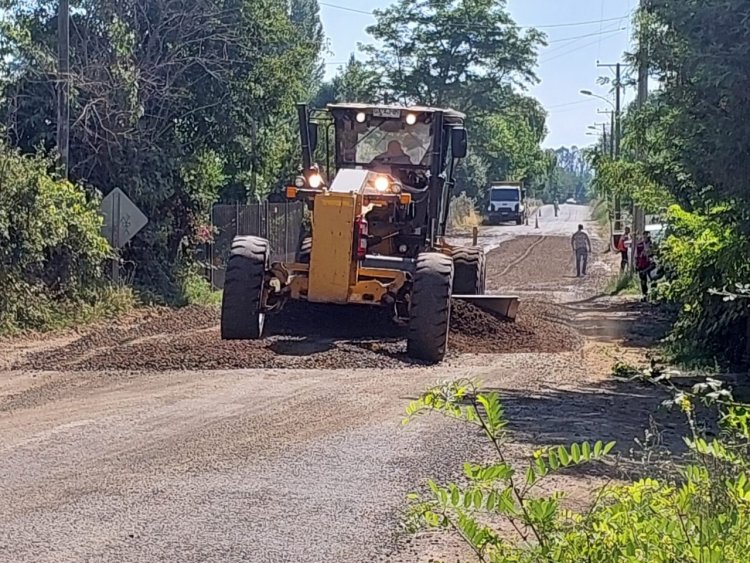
[{"x": 333, "y": 274}]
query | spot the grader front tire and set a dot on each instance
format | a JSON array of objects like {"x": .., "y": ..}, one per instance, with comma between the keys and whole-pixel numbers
[{"x": 430, "y": 310}]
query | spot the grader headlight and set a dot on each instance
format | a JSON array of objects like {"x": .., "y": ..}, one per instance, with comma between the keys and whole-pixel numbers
[
  {"x": 315, "y": 181},
  {"x": 382, "y": 184}
]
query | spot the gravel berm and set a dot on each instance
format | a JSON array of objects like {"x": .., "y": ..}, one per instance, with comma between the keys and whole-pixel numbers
[{"x": 303, "y": 336}]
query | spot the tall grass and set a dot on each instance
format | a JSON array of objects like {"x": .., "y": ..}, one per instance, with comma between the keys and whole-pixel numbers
[
  {"x": 104, "y": 303},
  {"x": 624, "y": 284},
  {"x": 196, "y": 290}
]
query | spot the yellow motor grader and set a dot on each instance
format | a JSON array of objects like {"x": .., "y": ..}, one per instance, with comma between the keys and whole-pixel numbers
[{"x": 377, "y": 229}]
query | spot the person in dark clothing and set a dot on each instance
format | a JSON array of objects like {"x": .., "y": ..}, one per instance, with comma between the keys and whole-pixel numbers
[
  {"x": 644, "y": 262},
  {"x": 581, "y": 245}
]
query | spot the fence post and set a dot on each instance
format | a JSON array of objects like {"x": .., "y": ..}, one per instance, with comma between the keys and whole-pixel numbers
[
  {"x": 210, "y": 250},
  {"x": 266, "y": 221},
  {"x": 286, "y": 230}
]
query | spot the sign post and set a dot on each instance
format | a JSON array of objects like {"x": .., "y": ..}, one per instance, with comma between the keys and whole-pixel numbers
[{"x": 122, "y": 221}]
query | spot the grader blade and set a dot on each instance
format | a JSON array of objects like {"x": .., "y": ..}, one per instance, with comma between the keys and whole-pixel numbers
[{"x": 506, "y": 306}]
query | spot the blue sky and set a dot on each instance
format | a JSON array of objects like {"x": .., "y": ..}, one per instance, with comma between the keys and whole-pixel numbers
[{"x": 580, "y": 32}]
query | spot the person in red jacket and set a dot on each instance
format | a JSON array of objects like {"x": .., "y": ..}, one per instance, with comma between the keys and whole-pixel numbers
[{"x": 623, "y": 246}]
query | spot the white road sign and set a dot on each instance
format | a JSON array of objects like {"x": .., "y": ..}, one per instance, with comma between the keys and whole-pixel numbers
[{"x": 118, "y": 210}]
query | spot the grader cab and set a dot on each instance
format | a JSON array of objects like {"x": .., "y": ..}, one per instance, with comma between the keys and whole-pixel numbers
[{"x": 376, "y": 235}]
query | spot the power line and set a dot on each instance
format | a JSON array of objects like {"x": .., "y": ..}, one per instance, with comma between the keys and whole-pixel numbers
[
  {"x": 577, "y": 102},
  {"x": 567, "y": 44},
  {"x": 565, "y": 53},
  {"x": 585, "y": 36},
  {"x": 345, "y": 8},
  {"x": 574, "y": 24},
  {"x": 546, "y": 26}
]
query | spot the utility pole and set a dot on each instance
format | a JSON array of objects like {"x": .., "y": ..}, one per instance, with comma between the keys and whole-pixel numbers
[
  {"x": 63, "y": 84},
  {"x": 639, "y": 219},
  {"x": 610, "y": 147},
  {"x": 617, "y": 136}
]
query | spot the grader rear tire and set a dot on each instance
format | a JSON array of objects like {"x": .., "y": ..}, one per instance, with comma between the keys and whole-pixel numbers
[
  {"x": 304, "y": 248},
  {"x": 470, "y": 271},
  {"x": 242, "y": 316},
  {"x": 430, "y": 310}
]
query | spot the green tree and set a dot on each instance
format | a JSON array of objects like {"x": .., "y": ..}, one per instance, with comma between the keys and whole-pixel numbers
[
  {"x": 470, "y": 55},
  {"x": 305, "y": 16},
  {"x": 355, "y": 82},
  {"x": 176, "y": 103}
]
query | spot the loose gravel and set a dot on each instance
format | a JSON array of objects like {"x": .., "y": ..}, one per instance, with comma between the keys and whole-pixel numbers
[
  {"x": 477, "y": 331},
  {"x": 303, "y": 337}
]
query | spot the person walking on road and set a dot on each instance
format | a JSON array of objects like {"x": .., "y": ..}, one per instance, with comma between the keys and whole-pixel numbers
[
  {"x": 622, "y": 247},
  {"x": 581, "y": 244}
]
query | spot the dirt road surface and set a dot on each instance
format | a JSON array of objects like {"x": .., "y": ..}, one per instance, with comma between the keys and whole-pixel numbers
[{"x": 182, "y": 456}]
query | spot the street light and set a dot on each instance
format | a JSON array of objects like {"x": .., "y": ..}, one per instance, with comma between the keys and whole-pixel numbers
[{"x": 590, "y": 93}]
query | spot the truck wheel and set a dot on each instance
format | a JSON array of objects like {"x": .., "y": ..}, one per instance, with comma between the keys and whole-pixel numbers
[
  {"x": 242, "y": 316},
  {"x": 469, "y": 271},
  {"x": 430, "y": 309},
  {"x": 519, "y": 221}
]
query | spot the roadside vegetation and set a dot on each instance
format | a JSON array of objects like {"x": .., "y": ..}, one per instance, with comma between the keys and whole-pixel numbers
[
  {"x": 698, "y": 514},
  {"x": 685, "y": 155},
  {"x": 51, "y": 250},
  {"x": 624, "y": 284}
]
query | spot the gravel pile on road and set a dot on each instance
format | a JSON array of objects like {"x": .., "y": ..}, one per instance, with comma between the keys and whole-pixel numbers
[
  {"x": 474, "y": 330},
  {"x": 303, "y": 337}
]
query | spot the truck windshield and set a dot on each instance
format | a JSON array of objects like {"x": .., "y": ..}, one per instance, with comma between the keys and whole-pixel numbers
[
  {"x": 382, "y": 143},
  {"x": 504, "y": 194}
]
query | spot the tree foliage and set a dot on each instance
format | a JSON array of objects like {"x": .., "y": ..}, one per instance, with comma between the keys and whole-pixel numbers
[
  {"x": 355, "y": 82},
  {"x": 177, "y": 103},
  {"x": 570, "y": 176},
  {"x": 51, "y": 249},
  {"x": 689, "y": 145},
  {"x": 447, "y": 53}
]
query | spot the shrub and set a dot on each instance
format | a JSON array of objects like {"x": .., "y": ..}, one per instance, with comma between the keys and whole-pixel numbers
[
  {"x": 463, "y": 214},
  {"x": 705, "y": 517},
  {"x": 700, "y": 254},
  {"x": 198, "y": 291},
  {"x": 51, "y": 249}
]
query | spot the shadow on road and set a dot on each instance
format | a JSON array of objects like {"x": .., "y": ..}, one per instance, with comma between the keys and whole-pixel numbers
[{"x": 613, "y": 319}]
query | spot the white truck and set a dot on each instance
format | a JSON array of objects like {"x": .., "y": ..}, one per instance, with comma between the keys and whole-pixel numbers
[{"x": 507, "y": 203}]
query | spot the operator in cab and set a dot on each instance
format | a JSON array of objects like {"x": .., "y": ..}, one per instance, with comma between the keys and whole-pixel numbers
[{"x": 394, "y": 154}]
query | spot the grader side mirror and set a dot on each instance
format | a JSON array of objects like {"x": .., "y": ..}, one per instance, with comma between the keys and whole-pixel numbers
[{"x": 459, "y": 142}]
